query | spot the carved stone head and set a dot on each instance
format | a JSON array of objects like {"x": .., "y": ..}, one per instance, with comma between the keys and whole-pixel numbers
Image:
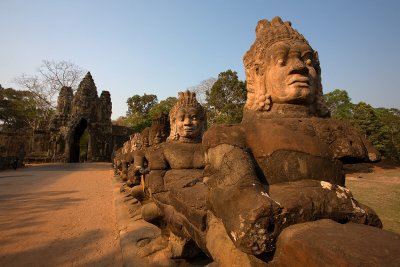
[
  {"x": 282, "y": 71},
  {"x": 136, "y": 142},
  {"x": 187, "y": 118},
  {"x": 159, "y": 129}
]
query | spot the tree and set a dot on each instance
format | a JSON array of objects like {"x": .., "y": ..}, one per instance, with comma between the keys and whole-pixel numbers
[
  {"x": 18, "y": 110},
  {"x": 339, "y": 103},
  {"x": 53, "y": 75},
  {"x": 381, "y": 126},
  {"x": 141, "y": 104},
  {"x": 120, "y": 121},
  {"x": 226, "y": 98},
  {"x": 57, "y": 74},
  {"x": 45, "y": 86},
  {"x": 163, "y": 107},
  {"x": 365, "y": 119},
  {"x": 139, "y": 107},
  {"x": 391, "y": 121},
  {"x": 202, "y": 88}
]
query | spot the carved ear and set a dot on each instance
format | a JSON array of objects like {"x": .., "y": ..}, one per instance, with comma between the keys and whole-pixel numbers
[
  {"x": 316, "y": 56},
  {"x": 318, "y": 66}
]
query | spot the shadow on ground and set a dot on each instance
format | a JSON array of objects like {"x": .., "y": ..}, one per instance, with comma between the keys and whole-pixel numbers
[
  {"x": 58, "y": 253},
  {"x": 369, "y": 167},
  {"x": 23, "y": 210}
]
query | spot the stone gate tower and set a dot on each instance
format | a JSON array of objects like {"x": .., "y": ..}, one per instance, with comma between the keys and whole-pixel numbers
[{"x": 82, "y": 114}]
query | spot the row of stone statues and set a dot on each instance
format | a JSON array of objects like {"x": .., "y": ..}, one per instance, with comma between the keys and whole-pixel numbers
[{"x": 231, "y": 191}]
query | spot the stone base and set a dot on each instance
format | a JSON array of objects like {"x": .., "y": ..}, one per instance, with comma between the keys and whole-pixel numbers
[{"x": 327, "y": 243}]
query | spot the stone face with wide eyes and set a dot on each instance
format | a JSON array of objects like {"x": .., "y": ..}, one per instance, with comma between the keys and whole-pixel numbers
[
  {"x": 188, "y": 123},
  {"x": 290, "y": 76}
]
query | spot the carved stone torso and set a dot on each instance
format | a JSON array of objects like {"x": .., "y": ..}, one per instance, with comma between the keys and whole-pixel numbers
[
  {"x": 293, "y": 149},
  {"x": 184, "y": 155},
  {"x": 176, "y": 179},
  {"x": 172, "y": 161}
]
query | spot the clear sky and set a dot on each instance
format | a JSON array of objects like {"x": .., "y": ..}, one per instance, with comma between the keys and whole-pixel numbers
[{"x": 164, "y": 46}]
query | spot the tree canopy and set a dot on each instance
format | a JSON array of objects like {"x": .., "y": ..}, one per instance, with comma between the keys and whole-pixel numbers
[
  {"x": 339, "y": 103},
  {"x": 18, "y": 110},
  {"x": 142, "y": 109},
  {"x": 226, "y": 98},
  {"x": 381, "y": 126},
  {"x": 52, "y": 76},
  {"x": 45, "y": 86}
]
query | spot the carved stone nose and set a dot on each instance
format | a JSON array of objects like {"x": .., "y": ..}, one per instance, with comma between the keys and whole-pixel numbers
[{"x": 299, "y": 67}]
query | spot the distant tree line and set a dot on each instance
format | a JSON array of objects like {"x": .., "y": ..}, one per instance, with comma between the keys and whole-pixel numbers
[
  {"x": 381, "y": 126},
  {"x": 223, "y": 97},
  {"x": 32, "y": 107}
]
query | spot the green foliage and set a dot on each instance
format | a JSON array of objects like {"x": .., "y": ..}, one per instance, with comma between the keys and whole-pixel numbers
[
  {"x": 141, "y": 104},
  {"x": 139, "y": 107},
  {"x": 226, "y": 98},
  {"x": 19, "y": 110},
  {"x": 339, "y": 103},
  {"x": 381, "y": 126},
  {"x": 120, "y": 121},
  {"x": 137, "y": 121},
  {"x": 163, "y": 107},
  {"x": 142, "y": 109},
  {"x": 367, "y": 122},
  {"x": 391, "y": 121},
  {"x": 83, "y": 145}
]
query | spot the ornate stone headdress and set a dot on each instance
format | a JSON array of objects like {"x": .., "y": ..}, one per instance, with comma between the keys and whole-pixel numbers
[
  {"x": 185, "y": 100},
  {"x": 256, "y": 59}
]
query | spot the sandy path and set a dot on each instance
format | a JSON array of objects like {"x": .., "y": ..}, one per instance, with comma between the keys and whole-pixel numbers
[{"x": 58, "y": 215}]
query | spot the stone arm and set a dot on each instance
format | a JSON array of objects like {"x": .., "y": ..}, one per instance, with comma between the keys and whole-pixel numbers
[
  {"x": 239, "y": 199},
  {"x": 350, "y": 147},
  {"x": 139, "y": 163}
]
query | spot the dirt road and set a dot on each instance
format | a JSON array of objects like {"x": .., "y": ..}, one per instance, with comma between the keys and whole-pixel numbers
[{"x": 58, "y": 215}]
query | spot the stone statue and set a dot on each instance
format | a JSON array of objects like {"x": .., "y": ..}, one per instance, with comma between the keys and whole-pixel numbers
[
  {"x": 173, "y": 179},
  {"x": 153, "y": 135},
  {"x": 283, "y": 164}
]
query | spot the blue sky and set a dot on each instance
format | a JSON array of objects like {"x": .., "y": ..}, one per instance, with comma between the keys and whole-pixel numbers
[{"x": 163, "y": 47}]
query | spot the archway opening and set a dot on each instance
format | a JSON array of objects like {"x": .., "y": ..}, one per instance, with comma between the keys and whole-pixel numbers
[{"x": 79, "y": 146}]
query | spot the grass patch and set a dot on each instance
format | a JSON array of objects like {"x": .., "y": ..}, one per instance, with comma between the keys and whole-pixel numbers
[{"x": 379, "y": 190}]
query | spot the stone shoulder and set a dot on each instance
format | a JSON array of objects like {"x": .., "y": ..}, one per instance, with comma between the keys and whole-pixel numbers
[{"x": 231, "y": 134}]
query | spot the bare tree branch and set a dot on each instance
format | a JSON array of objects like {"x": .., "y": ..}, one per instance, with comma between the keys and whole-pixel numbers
[
  {"x": 202, "y": 88},
  {"x": 60, "y": 73},
  {"x": 45, "y": 87}
]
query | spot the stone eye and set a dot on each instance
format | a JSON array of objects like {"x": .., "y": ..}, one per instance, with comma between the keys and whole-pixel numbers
[
  {"x": 308, "y": 62},
  {"x": 281, "y": 62}
]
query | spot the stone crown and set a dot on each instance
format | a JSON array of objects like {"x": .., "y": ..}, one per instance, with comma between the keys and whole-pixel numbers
[
  {"x": 276, "y": 30},
  {"x": 186, "y": 99}
]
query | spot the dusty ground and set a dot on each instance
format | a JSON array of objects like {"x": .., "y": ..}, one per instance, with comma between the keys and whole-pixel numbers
[
  {"x": 63, "y": 214},
  {"x": 378, "y": 186},
  {"x": 58, "y": 215}
]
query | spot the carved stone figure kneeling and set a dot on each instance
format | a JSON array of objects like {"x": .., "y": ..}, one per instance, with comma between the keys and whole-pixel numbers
[
  {"x": 173, "y": 180},
  {"x": 283, "y": 164}
]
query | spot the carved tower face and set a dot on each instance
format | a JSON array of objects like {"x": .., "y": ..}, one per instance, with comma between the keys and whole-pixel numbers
[{"x": 290, "y": 75}]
